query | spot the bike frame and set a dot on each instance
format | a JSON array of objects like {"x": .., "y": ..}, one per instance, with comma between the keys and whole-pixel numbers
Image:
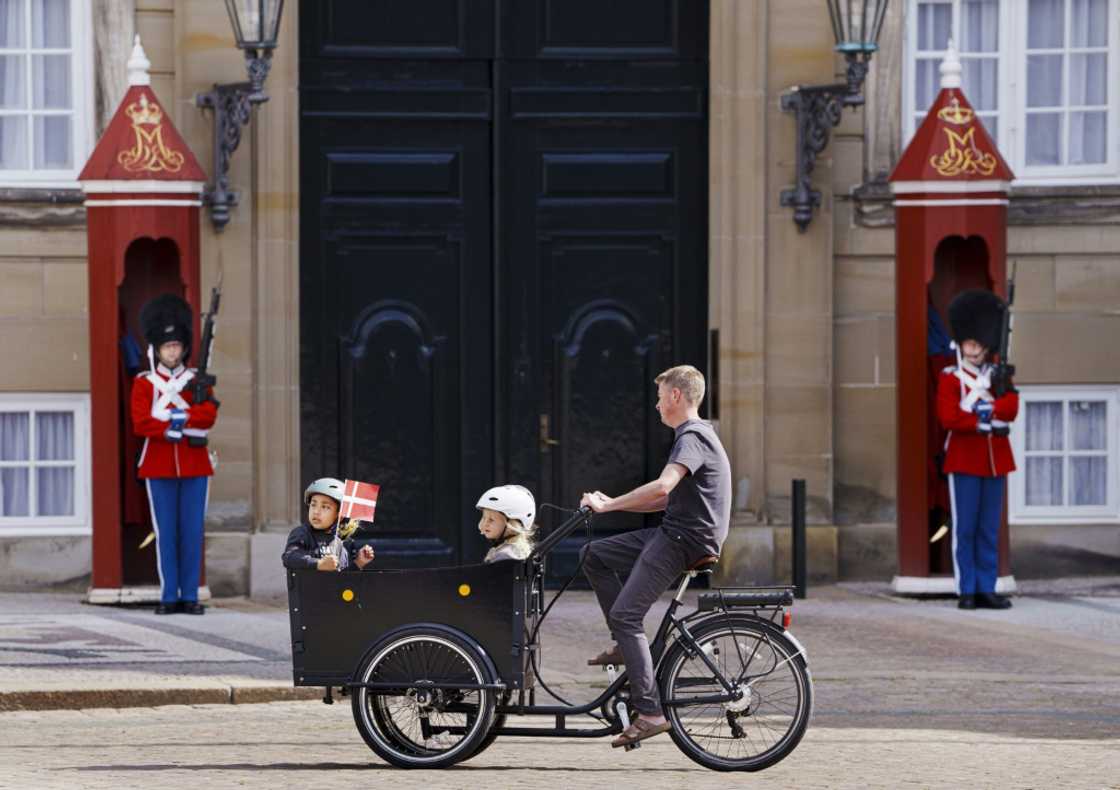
[{"x": 671, "y": 628}]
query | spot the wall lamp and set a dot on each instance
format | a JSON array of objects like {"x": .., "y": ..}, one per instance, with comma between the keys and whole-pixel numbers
[
  {"x": 256, "y": 26},
  {"x": 856, "y": 25}
]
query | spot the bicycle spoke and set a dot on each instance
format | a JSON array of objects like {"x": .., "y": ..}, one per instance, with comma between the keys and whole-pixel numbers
[
  {"x": 747, "y": 731},
  {"x": 419, "y": 722}
]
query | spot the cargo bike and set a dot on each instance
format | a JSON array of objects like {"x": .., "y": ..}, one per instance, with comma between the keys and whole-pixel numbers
[{"x": 439, "y": 663}]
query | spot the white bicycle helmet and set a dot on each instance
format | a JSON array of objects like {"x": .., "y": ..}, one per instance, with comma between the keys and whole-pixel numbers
[
  {"x": 514, "y": 502},
  {"x": 327, "y": 486}
]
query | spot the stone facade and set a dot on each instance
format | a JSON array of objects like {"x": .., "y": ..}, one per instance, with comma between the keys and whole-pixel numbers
[{"x": 806, "y": 320}]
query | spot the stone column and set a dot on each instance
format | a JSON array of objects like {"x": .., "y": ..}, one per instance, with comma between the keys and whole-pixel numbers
[
  {"x": 799, "y": 272},
  {"x": 276, "y": 205},
  {"x": 737, "y": 209},
  {"x": 276, "y": 450},
  {"x": 205, "y": 54}
]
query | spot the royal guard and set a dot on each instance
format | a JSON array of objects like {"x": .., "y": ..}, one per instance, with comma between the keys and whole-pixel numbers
[
  {"x": 173, "y": 415},
  {"x": 976, "y": 405}
]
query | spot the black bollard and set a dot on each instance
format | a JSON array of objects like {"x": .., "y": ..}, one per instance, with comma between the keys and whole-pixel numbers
[{"x": 797, "y": 520}]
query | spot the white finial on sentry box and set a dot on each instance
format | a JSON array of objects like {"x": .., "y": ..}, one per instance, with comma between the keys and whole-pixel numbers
[
  {"x": 951, "y": 67},
  {"x": 138, "y": 65}
]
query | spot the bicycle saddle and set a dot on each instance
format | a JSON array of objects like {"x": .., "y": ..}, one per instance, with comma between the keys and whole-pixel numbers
[{"x": 704, "y": 564}]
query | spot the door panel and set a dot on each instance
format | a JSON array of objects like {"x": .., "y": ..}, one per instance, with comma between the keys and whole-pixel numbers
[
  {"x": 392, "y": 29},
  {"x": 633, "y": 29},
  {"x": 605, "y": 181},
  {"x": 396, "y": 337}
]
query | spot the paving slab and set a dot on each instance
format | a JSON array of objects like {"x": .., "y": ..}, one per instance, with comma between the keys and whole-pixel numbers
[
  {"x": 306, "y": 744},
  {"x": 1048, "y": 668},
  {"x": 56, "y": 652}
]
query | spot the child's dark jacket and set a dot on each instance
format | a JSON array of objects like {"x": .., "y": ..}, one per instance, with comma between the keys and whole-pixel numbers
[{"x": 306, "y": 546}]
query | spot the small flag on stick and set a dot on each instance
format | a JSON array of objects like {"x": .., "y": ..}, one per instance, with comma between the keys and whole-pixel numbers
[{"x": 359, "y": 501}]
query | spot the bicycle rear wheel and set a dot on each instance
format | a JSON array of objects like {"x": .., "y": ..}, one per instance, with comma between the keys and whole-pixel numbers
[{"x": 765, "y": 723}]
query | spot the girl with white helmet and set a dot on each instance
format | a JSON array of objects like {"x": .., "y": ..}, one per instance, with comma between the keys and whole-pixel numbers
[
  {"x": 507, "y": 522},
  {"x": 316, "y": 544}
]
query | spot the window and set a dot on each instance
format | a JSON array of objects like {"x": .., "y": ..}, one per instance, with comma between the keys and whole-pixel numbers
[
  {"x": 978, "y": 42},
  {"x": 45, "y": 118},
  {"x": 1066, "y": 450},
  {"x": 44, "y": 464},
  {"x": 1041, "y": 75}
]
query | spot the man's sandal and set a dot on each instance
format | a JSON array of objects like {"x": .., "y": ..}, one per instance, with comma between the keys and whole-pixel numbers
[
  {"x": 639, "y": 731},
  {"x": 612, "y": 656}
]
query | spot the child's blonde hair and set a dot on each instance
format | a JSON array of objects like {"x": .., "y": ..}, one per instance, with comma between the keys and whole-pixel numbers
[{"x": 518, "y": 545}]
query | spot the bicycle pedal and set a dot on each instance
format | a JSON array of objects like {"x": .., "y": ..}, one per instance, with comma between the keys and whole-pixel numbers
[{"x": 632, "y": 746}]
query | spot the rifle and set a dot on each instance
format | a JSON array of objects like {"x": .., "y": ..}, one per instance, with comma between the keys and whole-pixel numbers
[
  {"x": 1003, "y": 369},
  {"x": 203, "y": 379}
]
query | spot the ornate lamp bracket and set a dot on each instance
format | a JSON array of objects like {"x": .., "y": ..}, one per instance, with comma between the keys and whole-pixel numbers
[
  {"x": 817, "y": 110},
  {"x": 232, "y": 105}
]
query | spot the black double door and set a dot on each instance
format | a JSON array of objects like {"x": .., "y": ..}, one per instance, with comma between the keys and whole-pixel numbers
[{"x": 503, "y": 240}]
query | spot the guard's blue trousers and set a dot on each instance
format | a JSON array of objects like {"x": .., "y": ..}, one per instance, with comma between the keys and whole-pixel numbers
[
  {"x": 977, "y": 507},
  {"x": 178, "y": 510}
]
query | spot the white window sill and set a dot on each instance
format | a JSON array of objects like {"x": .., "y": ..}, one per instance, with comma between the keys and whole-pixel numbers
[
  {"x": 1062, "y": 521},
  {"x": 1029, "y": 182},
  {"x": 42, "y": 532},
  {"x": 18, "y": 185}
]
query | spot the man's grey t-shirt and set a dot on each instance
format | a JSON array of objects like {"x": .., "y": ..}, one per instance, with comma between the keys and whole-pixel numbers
[{"x": 699, "y": 508}]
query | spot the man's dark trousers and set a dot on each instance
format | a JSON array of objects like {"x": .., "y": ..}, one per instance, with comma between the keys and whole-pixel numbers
[{"x": 655, "y": 559}]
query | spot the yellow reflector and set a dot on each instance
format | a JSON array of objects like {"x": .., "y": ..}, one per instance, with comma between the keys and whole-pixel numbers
[
  {"x": 464, "y": 590},
  {"x": 348, "y": 595}
]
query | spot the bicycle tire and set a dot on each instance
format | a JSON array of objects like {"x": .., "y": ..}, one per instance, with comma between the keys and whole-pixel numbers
[
  {"x": 491, "y": 735},
  {"x": 393, "y": 725},
  {"x": 767, "y": 716}
]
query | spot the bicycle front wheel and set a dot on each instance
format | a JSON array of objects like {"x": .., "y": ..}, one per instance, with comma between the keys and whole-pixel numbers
[
  {"x": 406, "y": 720},
  {"x": 770, "y": 678}
]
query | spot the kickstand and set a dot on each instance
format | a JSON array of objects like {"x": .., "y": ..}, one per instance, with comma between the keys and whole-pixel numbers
[{"x": 327, "y": 698}]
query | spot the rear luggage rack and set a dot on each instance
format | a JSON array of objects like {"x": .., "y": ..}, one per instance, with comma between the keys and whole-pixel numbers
[{"x": 747, "y": 598}]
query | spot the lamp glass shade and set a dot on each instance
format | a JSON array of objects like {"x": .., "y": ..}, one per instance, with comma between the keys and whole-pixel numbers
[
  {"x": 256, "y": 23},
  {"x": 856, "y": 24}
]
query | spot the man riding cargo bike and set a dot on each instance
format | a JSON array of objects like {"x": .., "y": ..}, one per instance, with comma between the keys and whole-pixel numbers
[{"x": 437, "y": 676}]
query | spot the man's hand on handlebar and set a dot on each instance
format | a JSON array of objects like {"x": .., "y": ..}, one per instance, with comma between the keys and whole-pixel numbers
[{"x": 597, "y": 501}]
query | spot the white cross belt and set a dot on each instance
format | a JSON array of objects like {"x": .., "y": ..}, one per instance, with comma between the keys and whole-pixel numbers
[{"x": 166, "y": 393}]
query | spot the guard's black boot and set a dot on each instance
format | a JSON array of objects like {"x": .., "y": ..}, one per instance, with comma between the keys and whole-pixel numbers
[
  {"x": 967, "y": 602},
  {"x": 193, "y": 607},
  {"x": 167, "y": 608},
  {"x": 992, "y": 601}
]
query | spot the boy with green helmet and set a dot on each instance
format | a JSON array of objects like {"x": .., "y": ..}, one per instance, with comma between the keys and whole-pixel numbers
[{"x": 316, "y": 544}]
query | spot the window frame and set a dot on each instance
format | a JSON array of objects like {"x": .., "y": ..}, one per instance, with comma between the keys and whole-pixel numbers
[
  {"x": 1109, "y": 513},
  {"x": 49, "y": 526},
  {"x": 1011, "y": 96},
  {"x": 82, "y": 85}
]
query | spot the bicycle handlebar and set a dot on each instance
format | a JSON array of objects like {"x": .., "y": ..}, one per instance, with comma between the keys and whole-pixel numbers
[{"x": 565, "y": 529}]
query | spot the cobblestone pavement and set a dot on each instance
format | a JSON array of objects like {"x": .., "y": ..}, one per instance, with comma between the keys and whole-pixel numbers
[
  {"x": 307, "y": 744},
  {"x": 907, "y": 694}
]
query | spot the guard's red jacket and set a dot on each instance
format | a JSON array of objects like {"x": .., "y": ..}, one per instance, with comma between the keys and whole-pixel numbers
[
  {"x": 968, "y": 450},
  {"x": 159, "y": 457}
]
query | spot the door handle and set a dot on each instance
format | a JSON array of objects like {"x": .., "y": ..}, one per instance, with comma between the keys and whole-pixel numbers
[{"x": 546, "y": 441}]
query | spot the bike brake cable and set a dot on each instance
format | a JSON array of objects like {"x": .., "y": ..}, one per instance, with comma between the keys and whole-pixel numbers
[{"x": 533, "y": 662}]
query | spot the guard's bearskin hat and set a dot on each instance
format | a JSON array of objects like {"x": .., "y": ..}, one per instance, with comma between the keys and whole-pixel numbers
[
  {"x": 165, "y": 318},
  {"x": 977, "y": 315}
]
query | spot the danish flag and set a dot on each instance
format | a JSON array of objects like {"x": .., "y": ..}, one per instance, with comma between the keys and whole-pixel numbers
[{"x": 359, "y": 500}]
